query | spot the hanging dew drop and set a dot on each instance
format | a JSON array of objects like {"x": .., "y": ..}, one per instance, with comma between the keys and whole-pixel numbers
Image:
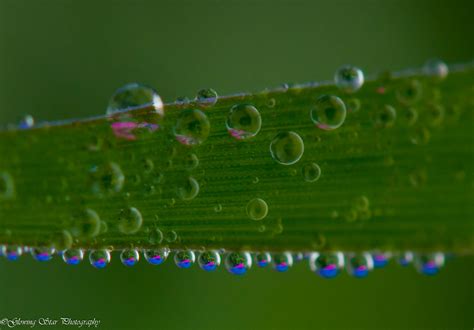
[
  {"x": 327, "y": 265},
  {"x": 359, "y": 265},
  {"x": 381, "y": 259},
  {"x": 135, "y": 96},
  {"x": 243, "y": 121},
  {"x": 263, "y": 259},
  {"x": 184, "y": 258},
  {"x": 282, "y": 261},
  {"x": 207, "y": 97},
  {"x": 209, "y": 260},
  {"x": 157, "y": 256},
  {"x": 27, "y": 122},
  {"x": 192, "y": 127},
  {"x": 11, "y": 252},
  {"x": 257, "y": 209},
  {"x": 429, "y": 264},
  {"x": 436, "y": 69},
  {"x": 287, "y": 148},
  {"x": 129, "y": 257},
  {"x": 238, "y": 263},
  {"x": 349, "y": 78},
  {"x": 42, "y": 253},
  {"x": 328, "y": 113},
  {"x": 405, "y": 258},
  {"x": 73, "y": 256},
  {"x": 99, "y": 258}
]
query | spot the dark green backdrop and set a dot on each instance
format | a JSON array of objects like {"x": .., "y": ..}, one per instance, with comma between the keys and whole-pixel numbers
[{"x": 63, "y": 59}]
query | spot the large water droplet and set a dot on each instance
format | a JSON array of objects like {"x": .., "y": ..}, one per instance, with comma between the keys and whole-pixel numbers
[
  {"x": 327, "y": 265},
  {"x": 11, "y": 252},
  {"x": 263, "y": 259},
  {"x": 238, "y": 263},
  {"x": 184, "y": 258},
  {"x": 130, "y": 257},
  {"x": 42, "y": 253},
  {"x": 207, "y": 97},
  {"x": 349, "y": 78},
  {"x": 130, "y": 220},
  {"x": 282, "y": 261},
  {"x": 107, "y": 178},
  {"x": 192, "y": 127},
  {"x": 157, "y": 256},
  {"x": 99, "y": 258},
  {"x": 135, "y": 96},
  {"x": 86, "y": 224},
  {"x": 359, "y": 265},
  {"x": 189, "y": 189},
  {"x": 243, "y": 121},
  {"x": 209, "y": 260},
  {"x": 287, "y": 148},
  {"x": 311, "y": 172},
  {"x": 429, "y": 264},
  {"x": 329, "y": 112},
  {"x": 73, "y": 256},
  {"x": 257, "y": 209},
  {"x": 436, "y": 69}
]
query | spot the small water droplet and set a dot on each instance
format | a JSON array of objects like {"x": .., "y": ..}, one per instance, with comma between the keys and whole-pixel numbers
[
  {"x": 243, "y": 121},
  {"x": 282, "y": 261},
  {"x": 11, "y": 252},
  {"x": 405, "y": 258},
  {"x": 192, "y": 127},
  {"x": 435, "y": 114},
  {"x": 327, "y": 265},
  {"x": 329, "y": 112},
  {"x": 263, "y": 259},
  {"x": 73, "y": 256},
  {"x": 386, "y": 116},
  {"x": 135, "y": 96},
  {"x": 108, "y": 178},
  {"x": 42, "y": 253},
  {"x": 271, "y": 102},
  {"x": 207, "y": 97},
  {"x": 361, "y": 203},
  {"x": 218, "y": 208},
  {"x": 410, "y": 116},
  {"x": 420, "y": 136},
  {"x": 349, "y": 78},
  {"x": 436, "y": 69},
  {"x": 353, "y": 105},
  {"x": 155, "y": 236},
  {"x": 191, "y": 162},
  {"x": 209, "y": 260},
  {"x": 27, "y": 122},
  {"x": 257, "y": 209},
  {"x": 171, "y": 236},
  {"x": 99, "y": 258},
  {"x": 62, "y": 240},
  {"x": 157, "y": 256},
  {"x": 130, "y": 220},
  {"x": 129, "y": 257},
  {"x": 238, "y": 263},
  {"x": 380, "y": 259},
  {"x": 409, "y": 92},
  {"x": 7, "y": 186},
  {"x": 429, "y": 264},
  {"x": 287, "y": 148},
  {"x": 359, "y": 265},
  {"x": 311, "y": 172},
  {"x": 184, "y": 258},
  {"x": 189, "y": 189}
]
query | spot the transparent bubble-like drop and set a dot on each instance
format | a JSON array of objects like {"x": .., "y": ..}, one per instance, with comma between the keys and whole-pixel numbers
[
  {"x": 157, "y": 256},
  {"x": 386, "y": 116},
  {"x": 409, "y": 92},
  {"x": 282, "y": 261},
  {"x": 192, "y": 127},
  {"x": 99, "y": 258},
  {"x": 73, "y": 256},
  {"x": 11, "y": 252},
  {"x": 353, "y": 105},
  {"x": 7, "y": 186},
  {"x": 135, "y": 96},
  {"x": 107, "y": 178},
  {"x": 405, "y": 258},
  {"x": 129, "y": 257},
  {"x": 329, "y": 112},
  {"x": 287, "y": 148},
  {"x": 27, "y": 122},
  {"x": 311, "y": 172},
  {"x": 86, "y": 224},
  {"x": 42, "y": 253},
  {"x": 381, "y": 259},
  {"x": 130, "y": 220},
  {"x": 207, "y": 97},
  {"x": 263, "y": 259},
  {"x": 191, "y": 162},
  {"x": 243, "y": 121},
  {"x": 359, "y": 265},
  {"x": 257, "y": 209},
  {"x": 238, "y": 263},
  {"x": 429, "y": 264},
  {"x": 436, "y": 69},
  {"x": 209, "y": 260},
  {"x": 189, "y": 189},
  {"x": 155, "y": 236},
  {"x": 349, "y": 78},
  {"x": 327, "y": 265},
  {"x": 184, "y": 258}
]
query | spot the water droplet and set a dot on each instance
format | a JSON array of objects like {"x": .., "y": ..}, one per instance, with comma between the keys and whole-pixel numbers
[
  {"x": 108, "y": 178},
  {"x": 42, "y": 253},
  {"x": 429, "y": 264},
  {"x": 327, "y": 265},
  {"x": 271, "y": 102},
  {"x": 386, "y": 116},
  {"x": 311, "y": 172},
  {"x": 130, "y": 220},
  {"x": 405, "y": 258},
  {"x": 353, "y": 105},
  {"x": 380, "y": 259},
  {"x": 420, "y": 136},
  {"x": 359, "y": 265},
  {"x": 349, "y": 78},
  {"x": 257, "y": 209},
  {"x": 73, "y": 256},
  {"x": 282, "y": 261},
  {"x": 410, "y": 115},
  {"x": 148, "y": 165},
  {"x": 155, "y": 236},
  {"x": 409, "y": 92},
  {"x": 243, "y": 121},
  {"x": 11, "y": 252},
  {"x": 184, "y": 258},
  {"x": 157, "y": 256},
  {"x": 62, "y": 240},
  {"x": 218, "y": 208},
  {"x": 192, "y": 127},
  {"x": 435, "y": 114},
  {"x": 207, "y": 97},
  {"x": 27, "y": 122},
  {"x": 189, "y": 189},
  {"x": 130, "y": 257},
  {"x": 329, "y": 112},
  {"x": 287, "y": 148},
  {"x": 171, "y": 236},
  {"x": 135, "y": 96},
  {"x": 436, "y": 69},
  {"x": 7, "y": 186},
  {"x": 99, "y": 258},
  {"x": 238, "y": 263},
  {"x": 191, "y": 162},
  {"x": 361, "y": 203},
  {"x": 209, "y": 260},
  {"x": 263, "y": 259}
]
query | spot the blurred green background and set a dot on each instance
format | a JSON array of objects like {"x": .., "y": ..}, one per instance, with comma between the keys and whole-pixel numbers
[{"x": 63, "y": 59}]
